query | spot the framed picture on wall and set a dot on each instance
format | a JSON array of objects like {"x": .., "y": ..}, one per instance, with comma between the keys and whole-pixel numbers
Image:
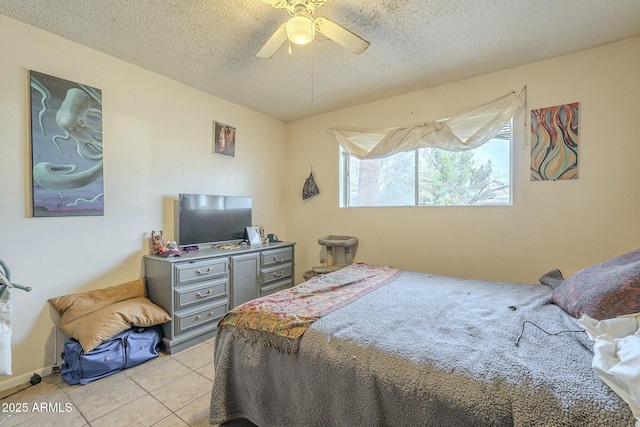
[
  {"x": 224, "y": 139},
  {"x": 66, "y": 147},
  {"x": 554, "y": 142}
]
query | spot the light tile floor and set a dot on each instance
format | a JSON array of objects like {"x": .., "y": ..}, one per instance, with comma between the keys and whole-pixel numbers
[{"x": 168, "y": 391}]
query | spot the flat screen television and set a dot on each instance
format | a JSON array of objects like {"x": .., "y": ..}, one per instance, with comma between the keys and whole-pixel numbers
[{"x": 205, "y": 219}]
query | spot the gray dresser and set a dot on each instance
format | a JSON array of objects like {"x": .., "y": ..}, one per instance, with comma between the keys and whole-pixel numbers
[{"x": 198, "y": 288}]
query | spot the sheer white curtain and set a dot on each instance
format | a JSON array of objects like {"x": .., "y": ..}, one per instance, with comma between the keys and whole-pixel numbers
[{"x": 464, "y": 131}]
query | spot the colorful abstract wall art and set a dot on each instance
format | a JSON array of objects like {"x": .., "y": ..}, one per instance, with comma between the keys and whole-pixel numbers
[
  {"x": 66, "y": 147},
  {"x": 554, "y": 143}
]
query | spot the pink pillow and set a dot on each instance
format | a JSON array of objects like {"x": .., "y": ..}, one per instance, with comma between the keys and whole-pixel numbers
[{"x": 603, "y": 291}]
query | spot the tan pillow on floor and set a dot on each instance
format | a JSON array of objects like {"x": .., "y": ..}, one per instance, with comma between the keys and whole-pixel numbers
[
  {"x": 74, "y": 306},
  {"x": 103, "y": 324}
]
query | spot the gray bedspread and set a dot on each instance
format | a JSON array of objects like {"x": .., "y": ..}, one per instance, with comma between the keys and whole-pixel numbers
[{"x": 424, "y": 350}]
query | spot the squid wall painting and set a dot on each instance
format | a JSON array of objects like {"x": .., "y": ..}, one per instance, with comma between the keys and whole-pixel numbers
[
  {"x": 554, "y": 142},
  {"x": 66, "y": 147}
]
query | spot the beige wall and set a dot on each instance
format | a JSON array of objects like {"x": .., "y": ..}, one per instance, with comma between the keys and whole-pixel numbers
[
  {"x": 157, "y": 143},
  {"x": 564, "y": 224}
]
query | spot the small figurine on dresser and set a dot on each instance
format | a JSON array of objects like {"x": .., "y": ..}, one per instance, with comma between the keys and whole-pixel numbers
[
  {"x": 157, "y": 240},
  {"x": 169, "y": 248},
  {"x": 161, "y": 248}
]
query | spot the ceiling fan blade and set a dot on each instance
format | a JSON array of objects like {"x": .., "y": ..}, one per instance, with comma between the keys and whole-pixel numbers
[
  {"x": 275, "y": 3},
  {"x": 341, "y": 35},
  {"x": 288, "y": 4},
  {"x": 273, "y": 44}
]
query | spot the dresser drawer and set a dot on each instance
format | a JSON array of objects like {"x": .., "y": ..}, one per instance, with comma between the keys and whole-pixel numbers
[
  {"x": 276, "y": 257},
  {"x": 276, "y": 286},
  {"x": 200, "y": 293},
  {"x": 197, "y": 317},
  {"x": 189, "y": 272},
  {"x": 269, "y": 275}
]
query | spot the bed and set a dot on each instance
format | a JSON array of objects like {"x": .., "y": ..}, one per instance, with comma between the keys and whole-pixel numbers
[{"x": 376, "y": 346}]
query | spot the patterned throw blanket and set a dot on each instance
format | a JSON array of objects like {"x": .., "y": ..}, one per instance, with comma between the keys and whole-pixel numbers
[{"x": 280, "y": 319}]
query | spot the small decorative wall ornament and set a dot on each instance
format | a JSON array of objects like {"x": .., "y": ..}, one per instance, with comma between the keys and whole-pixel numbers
[
  {"x": 224, "y": 139},
  {"x": 310, "y": 187},
  {"x": 554, "y": 142}
]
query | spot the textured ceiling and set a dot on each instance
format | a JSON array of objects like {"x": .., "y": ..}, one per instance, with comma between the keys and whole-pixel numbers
[{"x": 415, "y": 44}]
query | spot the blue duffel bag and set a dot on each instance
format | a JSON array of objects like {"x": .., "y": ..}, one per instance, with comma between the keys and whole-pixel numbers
[{"x": 124, "y": 350}]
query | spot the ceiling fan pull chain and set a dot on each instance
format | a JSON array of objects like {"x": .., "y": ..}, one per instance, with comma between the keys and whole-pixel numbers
[{"x": 289, "y": 47}]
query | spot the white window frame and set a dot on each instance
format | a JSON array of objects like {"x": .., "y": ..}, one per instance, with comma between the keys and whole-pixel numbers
[{"x": 344, "y": 180}]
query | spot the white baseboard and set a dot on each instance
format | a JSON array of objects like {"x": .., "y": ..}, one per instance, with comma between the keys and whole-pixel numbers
[{"x": 23, "y": 380}]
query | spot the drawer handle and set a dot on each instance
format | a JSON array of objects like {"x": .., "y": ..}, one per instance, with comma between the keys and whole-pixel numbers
[
  {"x": 276, "y": 259},
  {"x": 199, "y": 295},
  {"x": 198, "y": 317},
  {"x": 210, "y": 313},
  {"x": 207, "y": 271},
  {"x": 278, "y": 274}
]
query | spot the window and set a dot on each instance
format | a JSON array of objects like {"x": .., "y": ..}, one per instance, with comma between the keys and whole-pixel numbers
[{"x": 431, "y": 177}]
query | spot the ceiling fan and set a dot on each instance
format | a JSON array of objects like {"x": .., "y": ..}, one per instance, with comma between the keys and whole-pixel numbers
[{"x": 301, "y": 28}]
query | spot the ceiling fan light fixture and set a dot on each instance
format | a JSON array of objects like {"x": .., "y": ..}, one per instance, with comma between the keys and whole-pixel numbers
[
  {"x": 302, "y": 26},
  {"x": 300, "y": 30}
]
